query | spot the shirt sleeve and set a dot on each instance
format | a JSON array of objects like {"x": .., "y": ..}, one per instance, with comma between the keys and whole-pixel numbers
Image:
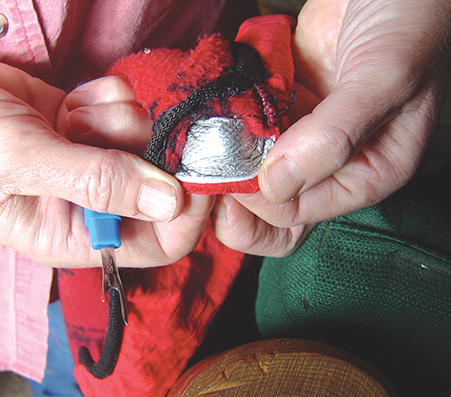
[{"x": 25, "y": 287}]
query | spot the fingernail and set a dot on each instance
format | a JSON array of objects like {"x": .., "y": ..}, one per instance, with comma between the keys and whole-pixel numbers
[
  {"x": 82, "y": 96},
  {"x": 283, "y": 180},
  {"x": 157, "y": 200},
  {"x": 220, "y": 209},
  {"x": 79, "y": 122}
]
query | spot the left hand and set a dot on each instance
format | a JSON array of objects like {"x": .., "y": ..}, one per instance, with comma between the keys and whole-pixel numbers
[{"x": 104, "y": 113}]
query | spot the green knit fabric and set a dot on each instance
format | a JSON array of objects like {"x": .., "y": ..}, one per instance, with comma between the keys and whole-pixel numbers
[{"x": 377, "y": 283}]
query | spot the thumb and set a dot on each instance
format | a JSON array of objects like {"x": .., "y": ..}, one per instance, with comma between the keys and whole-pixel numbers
[
  {"x": 324, "y": 141},
  {"x": 38, "y": 162}
]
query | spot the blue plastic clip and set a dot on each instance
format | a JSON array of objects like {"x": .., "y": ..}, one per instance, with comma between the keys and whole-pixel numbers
[
  {"x": 103, "y": 229},
  {"x": 104, "y": 233}
]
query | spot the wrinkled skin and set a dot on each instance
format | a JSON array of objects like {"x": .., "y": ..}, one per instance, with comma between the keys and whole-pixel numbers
[
  {"x": 45, "y": 177},
  {"x": 370, "y": 78}
]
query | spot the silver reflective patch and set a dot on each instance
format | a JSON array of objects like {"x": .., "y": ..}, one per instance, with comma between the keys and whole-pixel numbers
[{"x": 219, "y": 149}]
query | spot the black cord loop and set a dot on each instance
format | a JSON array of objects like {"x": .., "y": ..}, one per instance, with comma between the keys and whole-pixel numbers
[
  {"x": 112, "y": 347},
  {"x": 249, "y": 69}
]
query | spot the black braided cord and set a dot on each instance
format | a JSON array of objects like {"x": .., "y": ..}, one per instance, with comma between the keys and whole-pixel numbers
[
  {"x": 249, "y": 69},
  {"x": 112, "y": 347}
]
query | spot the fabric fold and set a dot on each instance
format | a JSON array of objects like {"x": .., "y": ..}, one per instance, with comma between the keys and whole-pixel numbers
[{"x": 25, "y": 287}]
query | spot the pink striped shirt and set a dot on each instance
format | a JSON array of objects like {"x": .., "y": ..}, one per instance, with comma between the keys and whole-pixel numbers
[{"x": 64, "y": 42}]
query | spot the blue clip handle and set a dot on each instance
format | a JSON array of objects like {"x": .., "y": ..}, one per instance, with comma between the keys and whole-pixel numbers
[{"x": 103, "y": 229}]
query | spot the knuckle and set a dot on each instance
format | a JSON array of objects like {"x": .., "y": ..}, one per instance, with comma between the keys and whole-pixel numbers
[
  {"x": 240, "y": 239},
  {"x": 241, "y": 243},
  {"x": 365, "y": 190},
  {"x": 338, "y": 143},
  {"x": 100, "y": 181},
  {"x": 121, "y": 115}
]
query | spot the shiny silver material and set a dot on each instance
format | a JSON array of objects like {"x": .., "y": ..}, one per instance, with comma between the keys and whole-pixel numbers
[
  {"x": 112, "y": 279},
  {"x": 3, "y": 25},
  {"x": 219, "y": 149}
]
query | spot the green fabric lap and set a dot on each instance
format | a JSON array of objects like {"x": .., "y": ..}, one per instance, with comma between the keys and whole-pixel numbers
[{"x": 375, "y": 282}]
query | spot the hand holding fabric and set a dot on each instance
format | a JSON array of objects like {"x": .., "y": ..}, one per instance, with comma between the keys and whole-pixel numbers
[
  {"x": 43, "y": 175},
  {"x": 378, "y": 72}
]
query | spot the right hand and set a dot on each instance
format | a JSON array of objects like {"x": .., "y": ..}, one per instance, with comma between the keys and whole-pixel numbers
[
  {"x": 378, "y": 69},
  {"x": 45, "y": 179}
]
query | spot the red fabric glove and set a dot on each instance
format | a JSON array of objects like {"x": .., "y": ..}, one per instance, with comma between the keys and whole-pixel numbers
[
  {"x": 170, "y": 307},
  {"x": 164, "y": 78}
]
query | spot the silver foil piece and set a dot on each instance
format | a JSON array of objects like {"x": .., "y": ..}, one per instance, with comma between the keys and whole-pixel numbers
[{"x": 219, "y": 149}]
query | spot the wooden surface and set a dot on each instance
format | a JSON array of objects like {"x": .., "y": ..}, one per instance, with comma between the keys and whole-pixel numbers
[{"x": 282, "y": 368}]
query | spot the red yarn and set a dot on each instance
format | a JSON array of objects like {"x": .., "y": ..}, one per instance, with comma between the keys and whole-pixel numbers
[{"x": 274, "y": 46}]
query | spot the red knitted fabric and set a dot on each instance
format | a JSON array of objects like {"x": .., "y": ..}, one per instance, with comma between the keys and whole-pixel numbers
[
  {"x": 170, "y": 307},
  {"x": 162, "y": 78},
  {"x": 271, "y": 37}
]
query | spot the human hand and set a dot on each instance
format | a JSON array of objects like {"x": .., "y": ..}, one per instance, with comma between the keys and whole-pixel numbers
[
  {"x": 378, "y": 70},
  {"x": 45, "y": 178}
]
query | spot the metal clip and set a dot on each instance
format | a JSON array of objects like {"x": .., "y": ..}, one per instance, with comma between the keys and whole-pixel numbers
[{"x": 112, "y": 279}]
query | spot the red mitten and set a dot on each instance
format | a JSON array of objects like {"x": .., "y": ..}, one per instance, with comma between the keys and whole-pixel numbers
[
  {"x": 171, "y": 307},
  {"x": 216, "y": 108}
]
